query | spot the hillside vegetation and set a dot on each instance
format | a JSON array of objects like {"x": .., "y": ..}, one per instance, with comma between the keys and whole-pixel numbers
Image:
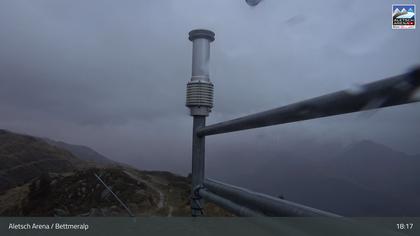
[
  {"x": 23, "y": 158},
  {"x": 40, "y": 179}
]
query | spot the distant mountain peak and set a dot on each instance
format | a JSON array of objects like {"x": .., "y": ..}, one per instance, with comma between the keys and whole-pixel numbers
[
  {"x": 82, "y": 152},
  {"x": 370, "y": 149},
  {"x": 365, "y": 143}
]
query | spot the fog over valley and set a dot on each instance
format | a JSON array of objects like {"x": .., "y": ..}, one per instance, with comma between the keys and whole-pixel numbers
[{"x": 111, "y": 76}]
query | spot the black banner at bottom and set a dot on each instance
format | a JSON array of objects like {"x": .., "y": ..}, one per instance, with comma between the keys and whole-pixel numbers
[{"x": 202, "y": 226}]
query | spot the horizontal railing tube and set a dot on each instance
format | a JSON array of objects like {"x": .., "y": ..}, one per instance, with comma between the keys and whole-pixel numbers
[
  {"x": 393, "y": 91},
  {"x": 228, "y": 205},
  {"x": 267, "y": 205}
]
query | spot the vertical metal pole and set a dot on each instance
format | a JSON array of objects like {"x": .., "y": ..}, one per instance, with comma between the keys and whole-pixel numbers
[
  {"x": 198, "y": 160},
  {"x": 200, "y": 102}
]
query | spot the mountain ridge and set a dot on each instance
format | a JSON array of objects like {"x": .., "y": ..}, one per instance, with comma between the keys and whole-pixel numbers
[
  {"x": 363, "y": 178},
  {"x": 32, "y": 189},
  {"x": 81, "y": 151}
]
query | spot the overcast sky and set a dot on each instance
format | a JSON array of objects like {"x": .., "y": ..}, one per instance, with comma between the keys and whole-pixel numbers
[{"x": 112, "y": 74}]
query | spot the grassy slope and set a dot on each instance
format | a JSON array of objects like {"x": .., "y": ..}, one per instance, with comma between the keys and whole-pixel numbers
[
  {"x": 38, "y": 179},
  {"x": 24, "y": 157}
]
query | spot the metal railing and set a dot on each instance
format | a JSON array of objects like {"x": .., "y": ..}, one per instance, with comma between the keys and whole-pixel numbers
[{"x": 392, "y": 91}]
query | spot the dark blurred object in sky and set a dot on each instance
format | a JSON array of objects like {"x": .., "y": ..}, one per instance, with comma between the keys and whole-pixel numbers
[{"x": 253, "y": 2}]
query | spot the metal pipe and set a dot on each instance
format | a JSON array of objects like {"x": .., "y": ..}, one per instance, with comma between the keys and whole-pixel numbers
[
  {"x": 200, "y": 102},
  {"x": 198, "y": 155},
  {"x": 227, "y": 204},
  {"x": 393, "y": 91},
  {"x": 263, "y": 203}
]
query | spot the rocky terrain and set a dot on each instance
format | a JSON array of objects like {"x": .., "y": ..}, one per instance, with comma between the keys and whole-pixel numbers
[{"x": 40, "y": 179}]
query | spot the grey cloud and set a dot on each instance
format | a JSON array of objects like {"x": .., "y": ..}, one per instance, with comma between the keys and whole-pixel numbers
[{"x": 112, "y": 74}]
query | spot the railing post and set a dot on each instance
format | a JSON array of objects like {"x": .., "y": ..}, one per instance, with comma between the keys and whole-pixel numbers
[
  {"x": 200, "y": 102},
  {"x": 198, "y": 161}
]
